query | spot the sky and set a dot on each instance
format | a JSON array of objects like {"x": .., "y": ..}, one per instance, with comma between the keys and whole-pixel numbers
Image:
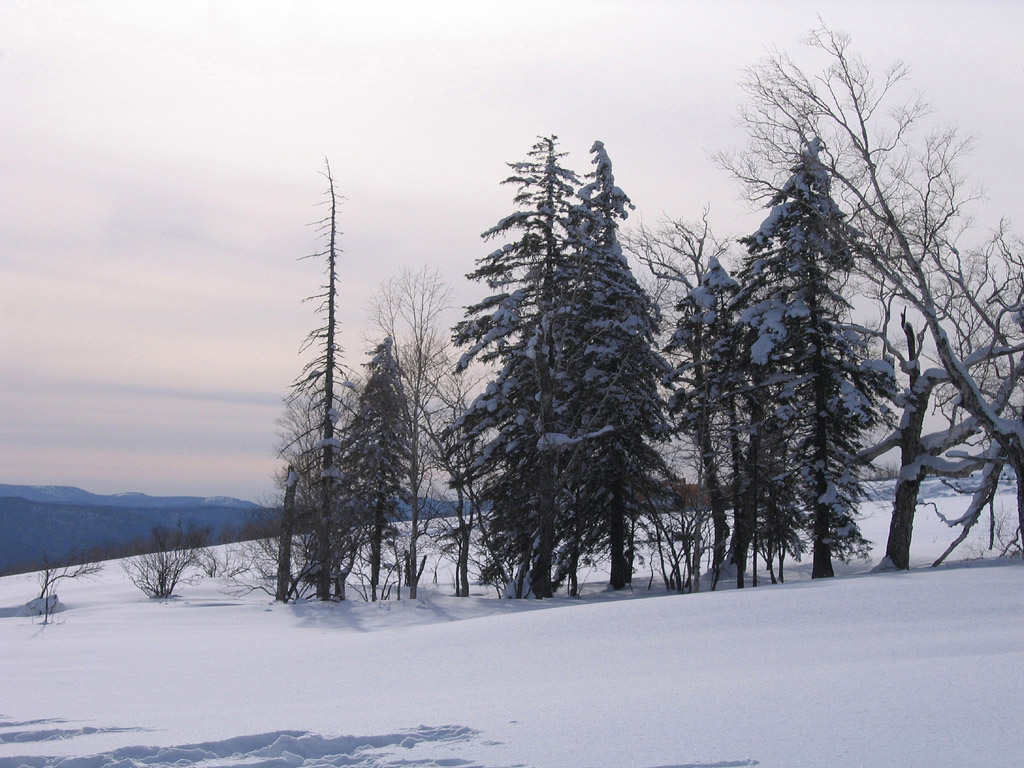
[{"x": 161, "y": 167}]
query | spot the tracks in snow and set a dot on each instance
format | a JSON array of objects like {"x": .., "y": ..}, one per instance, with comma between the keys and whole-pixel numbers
[{"x": 415, "y": 748}]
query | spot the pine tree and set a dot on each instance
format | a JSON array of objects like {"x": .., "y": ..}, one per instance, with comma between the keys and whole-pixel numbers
[
  {"x": 612, "y": 374},
  {"x": 374, "y": 458},
  {"x": 826, "y": 390},
  {"x": 519, "y": 327}
]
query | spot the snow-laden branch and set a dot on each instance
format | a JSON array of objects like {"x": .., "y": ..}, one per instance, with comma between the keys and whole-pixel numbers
[
  {"x": 983, "y": 496},
  {"x": 558, "y": 440}
]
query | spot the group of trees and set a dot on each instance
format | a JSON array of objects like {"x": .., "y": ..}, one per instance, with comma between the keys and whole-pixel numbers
[
  {"x": 723, "y": 412},
  {"x": 960, "y": 305},
  {"x": 566, "y": 428},
  {"x": 839, "y": 159},
  {"x": 356, "y": 450},
  {"x": 775, "y": 388}
]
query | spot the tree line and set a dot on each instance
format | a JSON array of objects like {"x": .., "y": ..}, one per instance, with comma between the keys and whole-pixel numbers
[{"x": 722, "y": 410}]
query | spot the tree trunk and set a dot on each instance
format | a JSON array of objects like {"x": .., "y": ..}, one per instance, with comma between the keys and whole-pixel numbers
[
  {"x": 694, "y": 559},
  {"x": 376, "y": 545},
  {"x": 544, "y": 540},
  {"x": 901, "y": 526},
  {"x": 462, "y": 567},
  {"x": 284, "y": 550},
  {"x": 748, "y": 490},
  {"x": 339, "y": 584},
  {"x": 717, "y": 502},
  {"x": 753, "y": 558},
  {"x": 323, "y": 543},
  {"x": 573, "y": 576},
  {"x": 823, "y": 515},
  {"x": 324, "y": 550},
  {"x": 463, "y": 540},
  {"x": 414, "y": 524},
  {"x": 620, "y": 566},
  {"x": 1017, "y": 463},
  {"x": 540, "y": 566}
]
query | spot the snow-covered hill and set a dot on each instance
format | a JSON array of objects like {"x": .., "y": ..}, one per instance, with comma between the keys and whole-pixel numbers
[{"x": 870, "y": 669}]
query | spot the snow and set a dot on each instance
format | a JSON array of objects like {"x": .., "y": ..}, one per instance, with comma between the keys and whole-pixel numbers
[
  {"x": 39, "y": 606},
  {"x": 556, "y": 440},
  {"x": 703, "y": 297},
  {"x": 911, "y": 669},
  {"x": 771, "y": 328}
]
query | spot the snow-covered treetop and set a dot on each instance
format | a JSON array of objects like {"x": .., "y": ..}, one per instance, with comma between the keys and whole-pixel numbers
[
  {"x": 717, "y": 277},
  {"x": 808, "y": 188},
  {"x": 525, "y": 273},
  {"x": 383, "y": 357},
  {"x": 543, "y": 186},
  {"x": 602, "y": 192}
]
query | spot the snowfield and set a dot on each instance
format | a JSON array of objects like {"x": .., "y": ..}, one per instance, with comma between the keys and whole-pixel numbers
[{"x": 922, "y": 668}]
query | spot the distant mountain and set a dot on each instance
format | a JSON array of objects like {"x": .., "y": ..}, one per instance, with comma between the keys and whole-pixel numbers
[
  {"x": 57, "y": 520},
  {"x": 66, "y": 494}
]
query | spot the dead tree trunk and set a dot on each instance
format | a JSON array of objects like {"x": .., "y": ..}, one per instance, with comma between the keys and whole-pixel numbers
[{"x": 284, "y": 550}]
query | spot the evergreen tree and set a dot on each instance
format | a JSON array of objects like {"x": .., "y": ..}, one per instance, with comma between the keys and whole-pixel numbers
[
  {"x": 520, "y": 328},
  {"x": 612, "y": 375},
  {"x": 374, "y": 458},
  {"x": 704, "y": 384},
  {"x": 800, "y": 346}
]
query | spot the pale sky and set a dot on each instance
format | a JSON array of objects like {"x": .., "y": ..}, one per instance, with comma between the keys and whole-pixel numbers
[{"x": 160, "y": 167}]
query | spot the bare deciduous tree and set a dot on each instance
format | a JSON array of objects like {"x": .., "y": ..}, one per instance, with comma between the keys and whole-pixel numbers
[
  {"x": 684, "y": 256},
  {"x": 408, "y": 308},
  {"x": 455, "y": 455},
  {"x": 65, "y": 568}
]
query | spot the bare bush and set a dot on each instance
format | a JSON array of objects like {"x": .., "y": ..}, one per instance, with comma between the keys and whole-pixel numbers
[{"x": 175, "y": 552}]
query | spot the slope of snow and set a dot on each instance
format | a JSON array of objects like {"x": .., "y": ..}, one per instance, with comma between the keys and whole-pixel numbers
[{"x": 912, "y": 669}]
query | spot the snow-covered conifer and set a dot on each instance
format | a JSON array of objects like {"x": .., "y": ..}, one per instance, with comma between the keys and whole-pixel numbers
[
  {"x": 801, "y": 346},
  {"x": 613, "y": 372},
  {"x": 704, "y": 381},
  {"x": 519, "y": 327},
  {"x": 374, "y": 455}
]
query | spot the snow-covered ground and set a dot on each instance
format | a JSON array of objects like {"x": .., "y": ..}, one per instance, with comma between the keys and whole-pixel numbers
[{"x": 871, "y": 669}]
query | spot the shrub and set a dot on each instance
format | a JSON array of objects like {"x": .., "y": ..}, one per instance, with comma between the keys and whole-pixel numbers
[{"x": 174, "y": 552}]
